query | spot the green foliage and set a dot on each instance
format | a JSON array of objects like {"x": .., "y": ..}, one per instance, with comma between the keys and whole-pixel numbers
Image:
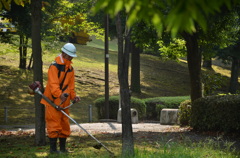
[
  {"x": 222, "y": 31},
  {"x": 185, "y": 112},
  {"x": 174, "y": 50},
  {"x": 6, "y": 4},
  {"x": 212, "y": 82},
  {"x": 145, "y": 37},
  {"x": 155, "y": 105},
  {"x": 216, "y": 113},
  {"x": 138, "y": 104},
  {"x": 176, "y": 18},
  {"x": 63, "y": 20}
]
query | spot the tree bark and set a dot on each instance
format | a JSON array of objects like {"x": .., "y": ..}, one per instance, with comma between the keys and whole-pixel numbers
[
  {"x": 21, "y": 39},
  {"x": 234, "y": 76},
  {"x": 194, "y": 58},
  {"x": 37, "y": 68},
  {"x": 135, "y": 69},
  {"x": 23, "y": 52},
  {"x": 123, "y": 64}
]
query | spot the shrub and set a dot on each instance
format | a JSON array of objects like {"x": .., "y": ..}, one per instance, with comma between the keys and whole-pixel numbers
[
  {"x": 185, "y": 112},
  {"x": 155, "y": 105},
  {"x": 216, "y": 113},
  {"x": 213, "y": 82},
  {"x": 138, "y": 104}
]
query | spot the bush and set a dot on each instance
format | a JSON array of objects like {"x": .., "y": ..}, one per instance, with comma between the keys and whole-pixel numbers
[
  {"x": 155, "y": 105},
  {"x": 138, "y": 104},
  {"x": 185, "y": 113},
  {"x": 213, "y": 82},
  {"x": 216, "y": 113}
]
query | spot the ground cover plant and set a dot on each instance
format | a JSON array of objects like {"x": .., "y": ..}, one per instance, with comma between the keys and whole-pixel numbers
[{"x": 173, "y": 142}]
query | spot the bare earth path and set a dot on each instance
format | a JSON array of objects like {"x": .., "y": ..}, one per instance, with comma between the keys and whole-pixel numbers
[
  {"x": 109, "y": 127},
  {"x": 151, "y": 130}
]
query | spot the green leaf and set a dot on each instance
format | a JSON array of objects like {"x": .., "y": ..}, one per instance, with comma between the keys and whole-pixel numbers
[
  {"x": 129, "y": 5},
  {"x": 18, "y": 2},
  {"x": 118, "y": 6},
  {"x": 156, "y": 19},
  {"x": 101, "y": 4},
  {"x": 6, "y": 4}
]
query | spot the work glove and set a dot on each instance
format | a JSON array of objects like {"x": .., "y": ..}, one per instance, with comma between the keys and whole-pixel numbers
[
  {"x": 64, "y": 96},
  {"x": 76, "y": 99}
]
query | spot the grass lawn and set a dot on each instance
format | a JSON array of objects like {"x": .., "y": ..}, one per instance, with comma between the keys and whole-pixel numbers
[
  {"x": 174, "y": 143},
  {"x": 158, "y": 78}
]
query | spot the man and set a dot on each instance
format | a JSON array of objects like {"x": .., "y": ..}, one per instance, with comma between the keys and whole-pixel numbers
[{"x": 60, "y": 90}]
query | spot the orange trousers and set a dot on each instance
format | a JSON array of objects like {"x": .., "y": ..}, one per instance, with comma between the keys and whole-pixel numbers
[{"x": 57, "y": 123}]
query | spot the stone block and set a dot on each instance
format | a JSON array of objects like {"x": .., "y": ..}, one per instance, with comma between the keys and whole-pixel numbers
[
  {"x": 134, "y": 116},
  {"x": 169, "y": 116}
]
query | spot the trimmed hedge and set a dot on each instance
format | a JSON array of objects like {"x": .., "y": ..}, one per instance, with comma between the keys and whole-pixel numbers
[
  {"x": 155, "y": 105},
  {"x": 138, "y": 104},
  {"x": 185, "y": 113},
  {"x": 216, "y": 113}
]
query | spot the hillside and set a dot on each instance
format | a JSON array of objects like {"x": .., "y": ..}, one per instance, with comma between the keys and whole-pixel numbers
[{"x": 158, "y": 78}]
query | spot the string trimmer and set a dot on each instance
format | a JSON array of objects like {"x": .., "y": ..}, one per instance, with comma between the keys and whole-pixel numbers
[{"x": 36, "y": 88}]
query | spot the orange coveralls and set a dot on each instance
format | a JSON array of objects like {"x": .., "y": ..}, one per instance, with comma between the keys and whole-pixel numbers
[{"x": 57, "y": 123}]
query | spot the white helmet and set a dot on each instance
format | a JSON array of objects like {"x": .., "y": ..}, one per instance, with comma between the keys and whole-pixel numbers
[{"x": 69, "y": 49}]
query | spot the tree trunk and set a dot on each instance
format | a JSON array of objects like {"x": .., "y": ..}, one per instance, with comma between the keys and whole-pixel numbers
[
  {"x": 37, "y": 68},
  {"x": 135, "y": 69},
  {"x": 21, "y": 37},
  {"x": 194, "y": 58},
  {"x": 234, "y": 76},
  {"x": 123, "y": 63},
  {"x": 23, "y": 52},
  {"x": 30, "y": 62}
]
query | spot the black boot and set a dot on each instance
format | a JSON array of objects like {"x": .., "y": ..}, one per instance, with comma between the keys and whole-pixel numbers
[
  {"x": 63, "y": 145},
  {"x": 53, "y": 145}
]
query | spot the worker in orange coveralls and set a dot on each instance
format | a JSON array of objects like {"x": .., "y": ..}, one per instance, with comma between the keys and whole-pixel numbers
[{"x": 60, "y": 90}]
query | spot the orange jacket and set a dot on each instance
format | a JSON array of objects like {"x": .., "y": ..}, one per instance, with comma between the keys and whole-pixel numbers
[{"x": 55, "y": 77}]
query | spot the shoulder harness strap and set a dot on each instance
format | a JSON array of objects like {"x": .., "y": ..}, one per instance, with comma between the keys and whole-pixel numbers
[{"x": 61, "y": 68}]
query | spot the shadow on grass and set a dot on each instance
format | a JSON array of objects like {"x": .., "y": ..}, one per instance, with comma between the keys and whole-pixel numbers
[{"x": 175, "y": 143}]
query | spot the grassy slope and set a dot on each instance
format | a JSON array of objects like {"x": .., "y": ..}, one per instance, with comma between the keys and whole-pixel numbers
[{"x": 158, "y": 78}]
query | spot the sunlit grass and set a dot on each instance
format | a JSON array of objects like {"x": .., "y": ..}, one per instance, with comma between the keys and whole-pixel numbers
[
  {"x": 147, "y": 145},
  {"x": 158, "y": 78}
]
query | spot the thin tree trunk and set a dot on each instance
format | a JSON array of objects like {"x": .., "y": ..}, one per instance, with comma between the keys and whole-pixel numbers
[
  {"x": 24, "y": 57},
  {"x": 135, "y": 69},
  {"x": 194, "y": 58},
  {"x": 23, "y": 52},
  {"x": 37, "y": 68},
  {"x": 123, "y": 64},
  {"x": 20, "y": 51},
  {"x": 234, "y": 76},
  {"x": 30, "y": 62}
]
